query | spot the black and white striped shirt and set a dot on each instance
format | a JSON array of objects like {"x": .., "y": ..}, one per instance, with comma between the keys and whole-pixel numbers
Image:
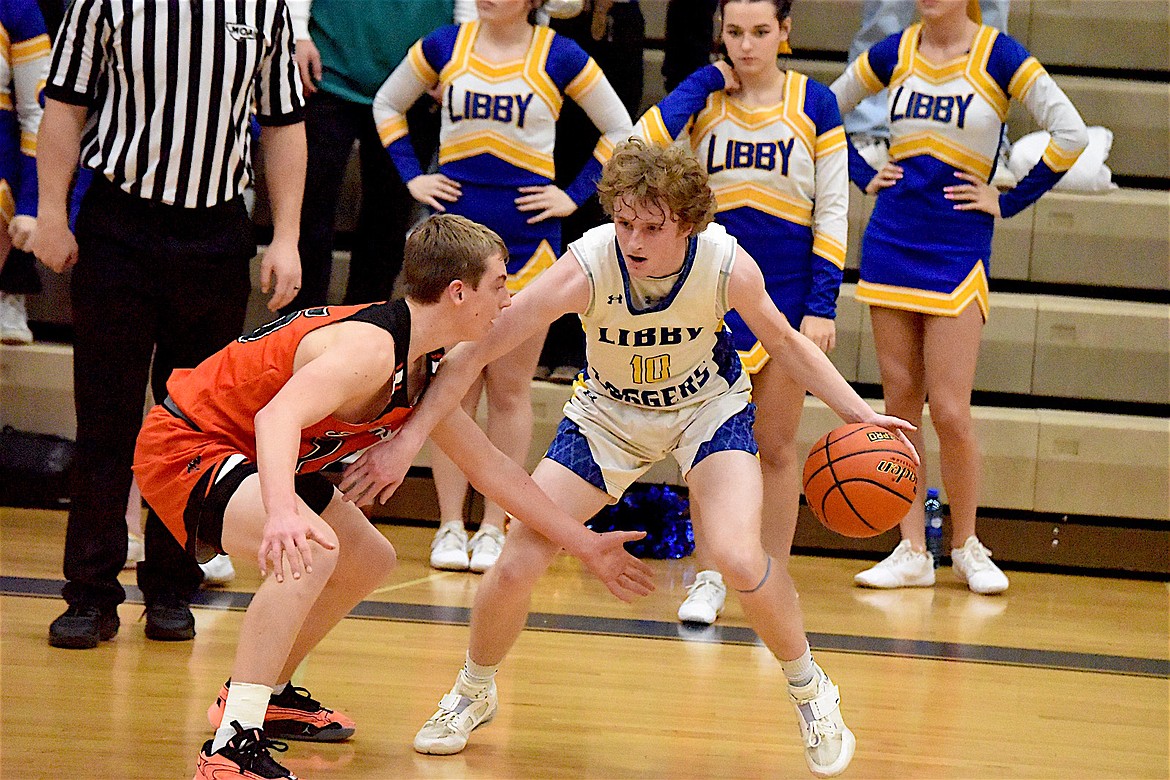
[{"x": 171, "y": 85}]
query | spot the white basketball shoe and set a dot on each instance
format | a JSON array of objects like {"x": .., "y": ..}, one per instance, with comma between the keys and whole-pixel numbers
[
  {"x": 828, "y": 743},
  {"x": 464, "y": 709}
]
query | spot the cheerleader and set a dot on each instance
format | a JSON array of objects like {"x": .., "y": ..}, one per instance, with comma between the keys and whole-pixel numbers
[
  {"x": 501, "y": 81},
  {"x": 925, "y": 254}
]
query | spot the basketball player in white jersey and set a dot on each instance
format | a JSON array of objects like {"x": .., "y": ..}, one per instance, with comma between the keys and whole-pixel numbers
[{"x": 663, "y": 378}]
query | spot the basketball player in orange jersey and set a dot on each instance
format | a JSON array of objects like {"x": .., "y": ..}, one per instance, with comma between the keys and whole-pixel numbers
[
  {"x": 229, "y": 461},
  {"x": 663, "y": 378}
]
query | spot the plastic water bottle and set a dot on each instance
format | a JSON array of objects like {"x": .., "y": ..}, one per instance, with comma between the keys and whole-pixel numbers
[{"x": 934, "y": 520}]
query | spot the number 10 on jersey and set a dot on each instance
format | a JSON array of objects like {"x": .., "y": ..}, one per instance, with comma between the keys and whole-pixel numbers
[{"x": 648, "y": 370}]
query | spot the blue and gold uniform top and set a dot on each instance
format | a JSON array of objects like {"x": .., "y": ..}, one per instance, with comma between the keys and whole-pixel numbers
[
  {"x": 499, "y": 128},
  {"x": 919, "y": 253},
  {"x": 780, "y": 182},
  {"x": 673, "y": 352},
  {"x": 23, "y": 68}
]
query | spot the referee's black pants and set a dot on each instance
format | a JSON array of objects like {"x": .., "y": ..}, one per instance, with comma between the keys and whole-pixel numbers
[{"x": 151, "y": 279}]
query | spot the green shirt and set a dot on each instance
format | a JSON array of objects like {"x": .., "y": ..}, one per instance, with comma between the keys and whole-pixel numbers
[{"x": 362, "y": 41}]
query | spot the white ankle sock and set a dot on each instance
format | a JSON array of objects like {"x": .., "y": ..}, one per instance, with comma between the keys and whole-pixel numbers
[
  {"x": 246, "y": 703},
  {"x": 477, "y": 674},
  {"x": 279, "y": 689},
  {"x": 799, "y": 671}
]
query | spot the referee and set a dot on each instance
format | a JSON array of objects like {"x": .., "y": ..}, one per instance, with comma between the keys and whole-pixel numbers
[{"x": 155, "y": 96}]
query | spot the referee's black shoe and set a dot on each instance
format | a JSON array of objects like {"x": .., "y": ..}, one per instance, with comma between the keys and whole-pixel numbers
[
  {"x": 83, "y": 626},
  {"x": 169, "y": 618}
]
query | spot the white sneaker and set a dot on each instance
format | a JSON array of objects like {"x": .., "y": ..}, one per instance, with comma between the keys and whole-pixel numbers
[
  {"x": 485, "y": 547},
  {"x": 704, "y": 599},
  {"x": 135, "y": 550},
  {"x": 972, "y": 564},
  {"x": 828, "y": 743},
  {"x": 218, "y": 571},
  {"x": 903, "y": 568},
  {"x": 449, "y": 547},
  {"x": 14, "y": 320},
  {"x": 464, "y": 709}
]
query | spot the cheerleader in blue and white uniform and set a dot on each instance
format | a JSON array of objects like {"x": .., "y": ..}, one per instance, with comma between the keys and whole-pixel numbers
[
  {"x": 775, "y": 152},
  {"x": 502, "y": 82},
  {"x": 926, "y": 251},
  {"x": 23, "y": 68}
]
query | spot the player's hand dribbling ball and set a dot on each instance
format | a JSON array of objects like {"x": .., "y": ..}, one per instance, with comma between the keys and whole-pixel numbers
[{"x": 859, "y": 480}]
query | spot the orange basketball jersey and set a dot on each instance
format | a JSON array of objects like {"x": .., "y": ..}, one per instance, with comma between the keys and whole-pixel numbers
[
  {"x": 207, "y": 426},
  {"x": 220, "y": 397}
]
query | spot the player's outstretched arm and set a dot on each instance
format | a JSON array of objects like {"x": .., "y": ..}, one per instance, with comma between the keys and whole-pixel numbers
[
  {"x": 379, "y": 471},
  {"x": 800, "y": 357},
  {"x": 504, "y": 481}
]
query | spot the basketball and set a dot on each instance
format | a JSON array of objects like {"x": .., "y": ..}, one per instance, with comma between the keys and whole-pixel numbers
[{"x": 859, "y": 480}]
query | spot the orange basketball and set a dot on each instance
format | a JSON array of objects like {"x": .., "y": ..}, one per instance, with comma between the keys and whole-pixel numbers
[{"x": 859, "y": 480}]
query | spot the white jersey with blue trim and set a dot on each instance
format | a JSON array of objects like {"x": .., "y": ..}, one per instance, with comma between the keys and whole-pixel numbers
[
  {"x": 673, "y": 353},
  {"x": 920, "y": 253}
]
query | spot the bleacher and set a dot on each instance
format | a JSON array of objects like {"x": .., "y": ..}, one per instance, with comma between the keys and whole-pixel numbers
[{"x": 1073, "y": 387}]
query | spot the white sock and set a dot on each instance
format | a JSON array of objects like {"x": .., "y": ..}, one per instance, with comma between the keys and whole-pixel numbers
[
  {"x": 246, "y": 703},
  {"x": 279, "y": 689},
  {"x": 480, "y": 676},
  {"x": 799, "y": 671}
]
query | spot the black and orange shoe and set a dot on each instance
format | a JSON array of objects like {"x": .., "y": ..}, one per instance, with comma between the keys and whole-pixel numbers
[
  {"x": 244, "y": 757},
  {"x": 293, "y": 714}
]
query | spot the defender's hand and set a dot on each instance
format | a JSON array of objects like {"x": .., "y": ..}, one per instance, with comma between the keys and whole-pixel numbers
[{"x": 624, "y": 575}]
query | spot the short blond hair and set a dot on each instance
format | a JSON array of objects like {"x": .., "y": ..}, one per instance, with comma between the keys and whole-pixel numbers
[
  {"x": 644, "y": 173},
  {"x": 443, "y": 248}
]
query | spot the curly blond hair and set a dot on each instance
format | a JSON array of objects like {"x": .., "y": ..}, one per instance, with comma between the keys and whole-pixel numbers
[{"x": 641, "y": 173}]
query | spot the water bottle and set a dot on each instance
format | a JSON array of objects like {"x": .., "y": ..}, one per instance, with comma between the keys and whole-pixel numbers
[{"x": 934, "y": 532}]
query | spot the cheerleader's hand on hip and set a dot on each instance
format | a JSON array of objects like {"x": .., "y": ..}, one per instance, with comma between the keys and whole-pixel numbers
[
  {"x": 888, "y": 176},
  {"x": 548, "y": 199},
  {"x": 975, "y": 195},
  {"x": 431, "y": 188}
]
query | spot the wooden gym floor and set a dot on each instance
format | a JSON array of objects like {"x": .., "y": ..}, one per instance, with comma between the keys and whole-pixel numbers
[{"x": 1063, "y": 677}]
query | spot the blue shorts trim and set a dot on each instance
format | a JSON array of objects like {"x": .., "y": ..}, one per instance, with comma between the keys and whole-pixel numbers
[
  {"x": 734, "y": 434},
  {"x": 570, "y": 448}
]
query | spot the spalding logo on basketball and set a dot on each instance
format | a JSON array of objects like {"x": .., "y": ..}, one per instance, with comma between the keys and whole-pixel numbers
[{"x": 859, "y": 480}]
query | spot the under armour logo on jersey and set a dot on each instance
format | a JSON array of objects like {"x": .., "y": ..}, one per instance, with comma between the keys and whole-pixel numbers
[
  {"x": 615, "y": 299},
  {"x": 194, "y": 463},
  {"x": 242, "y": 32}
]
